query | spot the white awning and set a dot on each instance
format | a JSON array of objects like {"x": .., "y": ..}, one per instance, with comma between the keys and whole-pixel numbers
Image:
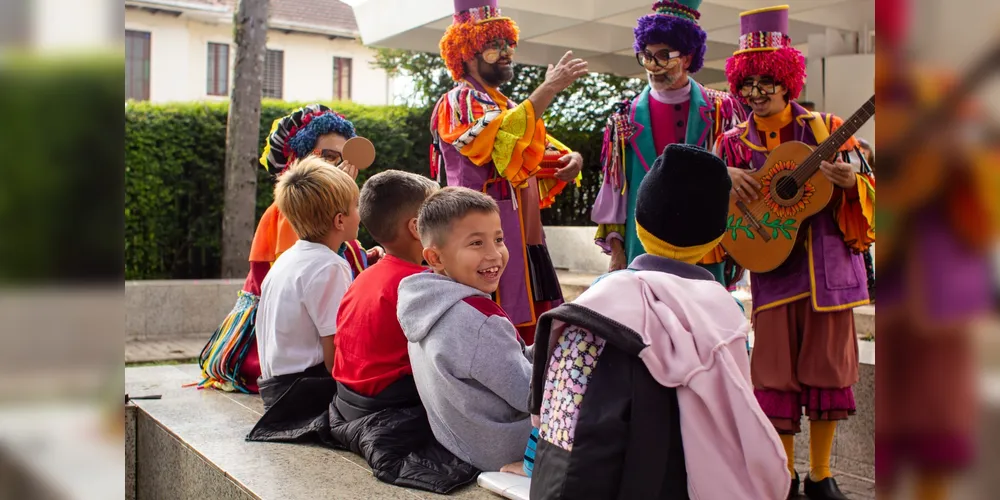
[{"x": 600, "y": 31}]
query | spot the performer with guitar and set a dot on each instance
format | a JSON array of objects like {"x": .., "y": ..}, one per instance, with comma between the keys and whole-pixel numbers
[
  {"x": 673, "y": 108},
  {"x": 805, "y": 352}
]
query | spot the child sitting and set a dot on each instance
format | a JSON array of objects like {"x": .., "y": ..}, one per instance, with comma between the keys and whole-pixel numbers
[
  {"x": 371, "y": 365},
  {"x": 470, "y": 367},
  {"x": 297, "y": 316},
  {"x": 642, "y": 384}
]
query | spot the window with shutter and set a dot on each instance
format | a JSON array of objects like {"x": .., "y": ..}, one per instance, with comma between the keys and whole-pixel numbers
[
  {"x": 137, "y": 65},
  {"x": 274, "y": 67},
  {"x": 218, "y": 69},
  {"x": 342, "y": 78}
]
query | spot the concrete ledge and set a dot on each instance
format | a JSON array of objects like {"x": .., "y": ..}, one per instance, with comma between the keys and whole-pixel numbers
[
  {"x": 177, "y": 308},
  {"x": 572, "y": 248},
  {"x": 190, "y": 445}
]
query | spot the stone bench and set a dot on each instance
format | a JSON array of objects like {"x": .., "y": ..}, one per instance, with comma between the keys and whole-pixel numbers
[{"x": 190, "y": 445}]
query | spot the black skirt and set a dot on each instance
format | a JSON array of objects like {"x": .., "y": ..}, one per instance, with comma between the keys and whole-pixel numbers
[{"x": 544, "y": 282}]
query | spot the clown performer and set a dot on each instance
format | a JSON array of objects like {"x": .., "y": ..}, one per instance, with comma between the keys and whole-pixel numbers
[
  {"x": 488, "y": 143},
  {"x": 805, "y": 355},
  {"x": 672, "y": 109},
  {"x": 229, "y": 361}
]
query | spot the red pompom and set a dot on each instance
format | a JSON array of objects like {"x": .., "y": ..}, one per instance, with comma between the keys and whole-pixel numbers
[{"x": 786, "y": 65}]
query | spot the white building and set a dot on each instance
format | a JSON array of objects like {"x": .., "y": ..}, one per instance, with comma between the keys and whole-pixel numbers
[{"x": 183, "y": 50}]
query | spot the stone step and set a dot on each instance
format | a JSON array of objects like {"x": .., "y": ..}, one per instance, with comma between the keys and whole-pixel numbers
[{"x": 189, "y": 444}]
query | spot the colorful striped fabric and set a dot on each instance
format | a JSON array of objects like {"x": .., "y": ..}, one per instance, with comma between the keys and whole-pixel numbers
[
  {"x": 225, "y": 352},
  {"x": 529, "y": 452}
]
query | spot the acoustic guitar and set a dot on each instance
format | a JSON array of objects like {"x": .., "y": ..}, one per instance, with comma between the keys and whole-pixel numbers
[{"x": 760, "y": 235}]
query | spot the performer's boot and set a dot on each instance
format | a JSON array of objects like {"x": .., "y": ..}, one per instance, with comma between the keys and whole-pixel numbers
[
  {"x": 788, "y": 442},
  {"x": 820, "y": 484}
]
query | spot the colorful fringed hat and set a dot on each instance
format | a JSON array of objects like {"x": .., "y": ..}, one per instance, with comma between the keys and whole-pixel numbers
[
  {"x": 766, "y": 49},
  {"x": 475, "y": 24},
  {"x": 294, "y": 136},
  {"x": 675, "y": 23}
]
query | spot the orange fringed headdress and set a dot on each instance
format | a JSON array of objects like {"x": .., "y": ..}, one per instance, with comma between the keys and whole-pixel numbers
[{"x": 475, "y": 24}]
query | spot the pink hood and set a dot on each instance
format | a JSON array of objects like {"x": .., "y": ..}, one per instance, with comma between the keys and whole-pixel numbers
[{"x": 695, "y": 338}]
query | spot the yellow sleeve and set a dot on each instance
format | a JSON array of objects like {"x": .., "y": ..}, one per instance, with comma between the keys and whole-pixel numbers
[{"x": 514, "y": 139}]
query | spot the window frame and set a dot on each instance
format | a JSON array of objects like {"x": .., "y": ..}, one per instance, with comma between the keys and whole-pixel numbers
[
  {"x": 144, "y": 60},
  {"x": 213, "y": 58},
  {"x": 278, "y": 86}
]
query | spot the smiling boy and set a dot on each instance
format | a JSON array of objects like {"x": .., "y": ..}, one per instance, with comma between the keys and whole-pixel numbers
[{"x": 471, "y": 368}]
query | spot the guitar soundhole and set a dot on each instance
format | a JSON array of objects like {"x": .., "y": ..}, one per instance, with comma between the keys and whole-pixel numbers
[
  {"x": 785, "y": 191},
  {"x": 787, "y": 187}
]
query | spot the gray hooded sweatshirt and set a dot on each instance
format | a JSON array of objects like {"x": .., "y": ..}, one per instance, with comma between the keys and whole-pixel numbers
[{"x": 471, "y": 369}]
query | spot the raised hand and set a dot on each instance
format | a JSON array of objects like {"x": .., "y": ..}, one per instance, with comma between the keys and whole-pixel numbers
[{"x": 565, "y": 72}]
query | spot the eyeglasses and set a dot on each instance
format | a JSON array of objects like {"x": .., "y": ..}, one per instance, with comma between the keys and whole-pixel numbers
[
  {"x": 662, "y": 58},
  {"x": 764, "y": 86},
  {"x": 491, "y": 53},
  {"x": 330, "y": 155}
]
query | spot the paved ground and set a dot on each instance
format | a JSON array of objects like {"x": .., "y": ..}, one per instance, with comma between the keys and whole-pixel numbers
[{"x": 856, "y": 488}]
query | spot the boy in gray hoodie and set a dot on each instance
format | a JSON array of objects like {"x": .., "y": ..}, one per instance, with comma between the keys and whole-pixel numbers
[{"x": 471, "y": 368}]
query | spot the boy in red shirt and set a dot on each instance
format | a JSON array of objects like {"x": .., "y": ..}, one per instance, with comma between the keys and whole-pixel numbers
[{"x": 371, "y": 365}]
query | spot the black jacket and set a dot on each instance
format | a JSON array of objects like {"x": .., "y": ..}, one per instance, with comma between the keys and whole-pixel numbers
[
  {"x": 628, "y": 439},
  {"x": 397, "y": 443}
]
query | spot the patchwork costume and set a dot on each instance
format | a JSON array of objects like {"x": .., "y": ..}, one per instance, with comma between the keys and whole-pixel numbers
[
  {"x": 642, "y": 127},
  {"x": 642, "y": 384},
  {"x": 229, "y": 361},
  {"x": 484, "y": 141},
  {"x": 805, "y": 356}
]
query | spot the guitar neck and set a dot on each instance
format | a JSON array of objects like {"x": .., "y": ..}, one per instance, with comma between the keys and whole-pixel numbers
[{"x": 837, "y": 139}]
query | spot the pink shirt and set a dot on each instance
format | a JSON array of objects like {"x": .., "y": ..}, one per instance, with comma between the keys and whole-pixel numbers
[{"x": 669, "y": 122}]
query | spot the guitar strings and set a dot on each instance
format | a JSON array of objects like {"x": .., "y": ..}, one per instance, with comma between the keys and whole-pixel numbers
[{"x": 758, "y": 207}]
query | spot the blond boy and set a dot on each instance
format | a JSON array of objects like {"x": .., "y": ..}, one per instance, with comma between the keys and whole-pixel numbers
[{"x": 297, "y": 316}]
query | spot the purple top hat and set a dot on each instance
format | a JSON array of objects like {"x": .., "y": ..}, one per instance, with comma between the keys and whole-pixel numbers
[
  {"x": 476, "y": 11},
  {"x": 764, "y": 30}
]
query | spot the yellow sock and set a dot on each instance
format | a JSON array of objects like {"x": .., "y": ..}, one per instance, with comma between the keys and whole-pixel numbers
[
  {"x": 820, "y": 448},
  {"x": 932, "y": 487},
  {"x": 788, "y": 441}
]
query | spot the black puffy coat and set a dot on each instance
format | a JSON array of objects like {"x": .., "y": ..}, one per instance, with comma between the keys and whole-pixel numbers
[{"x": 397, "y": 443}]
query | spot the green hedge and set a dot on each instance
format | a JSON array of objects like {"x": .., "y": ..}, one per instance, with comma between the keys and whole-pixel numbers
[
  {"x": 61, "y": 174},
  {"x": 174, "y": 160}
]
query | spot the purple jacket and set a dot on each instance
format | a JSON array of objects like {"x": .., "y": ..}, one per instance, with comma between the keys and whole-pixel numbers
[{"x": 823, "y": 267}]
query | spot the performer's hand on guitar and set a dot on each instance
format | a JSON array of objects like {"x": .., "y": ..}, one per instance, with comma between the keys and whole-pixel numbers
[
  {"x": 840, "y": 174},
  {"x": 574, "y": 163},
  {"x": 348, "y": 169},
  {"x": 744, "y": 186},
  {"x": 618, "y": 260}
]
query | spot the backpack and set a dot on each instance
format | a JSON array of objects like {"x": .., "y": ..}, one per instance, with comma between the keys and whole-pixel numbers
[{"x": 608, "y": 429}]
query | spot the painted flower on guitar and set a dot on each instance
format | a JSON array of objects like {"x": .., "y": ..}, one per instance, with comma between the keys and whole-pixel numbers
[{"x": 779, "y": 171}]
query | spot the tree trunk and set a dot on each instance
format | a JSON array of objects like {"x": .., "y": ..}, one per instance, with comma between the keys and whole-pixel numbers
[{"x": 243, "y": 128}]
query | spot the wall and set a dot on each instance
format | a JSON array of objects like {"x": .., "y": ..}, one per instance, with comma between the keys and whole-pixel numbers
[
  {"x": 849, "y": 82},
  {"x": 169, "y": 60},
  {"x": 178, "y": 61},
  {"x": 309, "y": 68}
]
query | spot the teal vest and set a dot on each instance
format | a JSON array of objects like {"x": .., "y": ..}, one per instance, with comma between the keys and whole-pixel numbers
[{"x": 642, "y": 144}]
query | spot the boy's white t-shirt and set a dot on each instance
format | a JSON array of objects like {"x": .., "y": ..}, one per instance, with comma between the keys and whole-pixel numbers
[{"x": 298, "y": 304}]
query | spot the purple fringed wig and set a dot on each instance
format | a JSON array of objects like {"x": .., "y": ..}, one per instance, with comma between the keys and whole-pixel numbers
[
  {"x": 674, "y": 23},
  {"x": 766, "y": 49}
]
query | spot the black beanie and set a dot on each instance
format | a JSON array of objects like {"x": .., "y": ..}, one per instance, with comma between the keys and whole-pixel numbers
[{"x": 684, "y": 198}]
